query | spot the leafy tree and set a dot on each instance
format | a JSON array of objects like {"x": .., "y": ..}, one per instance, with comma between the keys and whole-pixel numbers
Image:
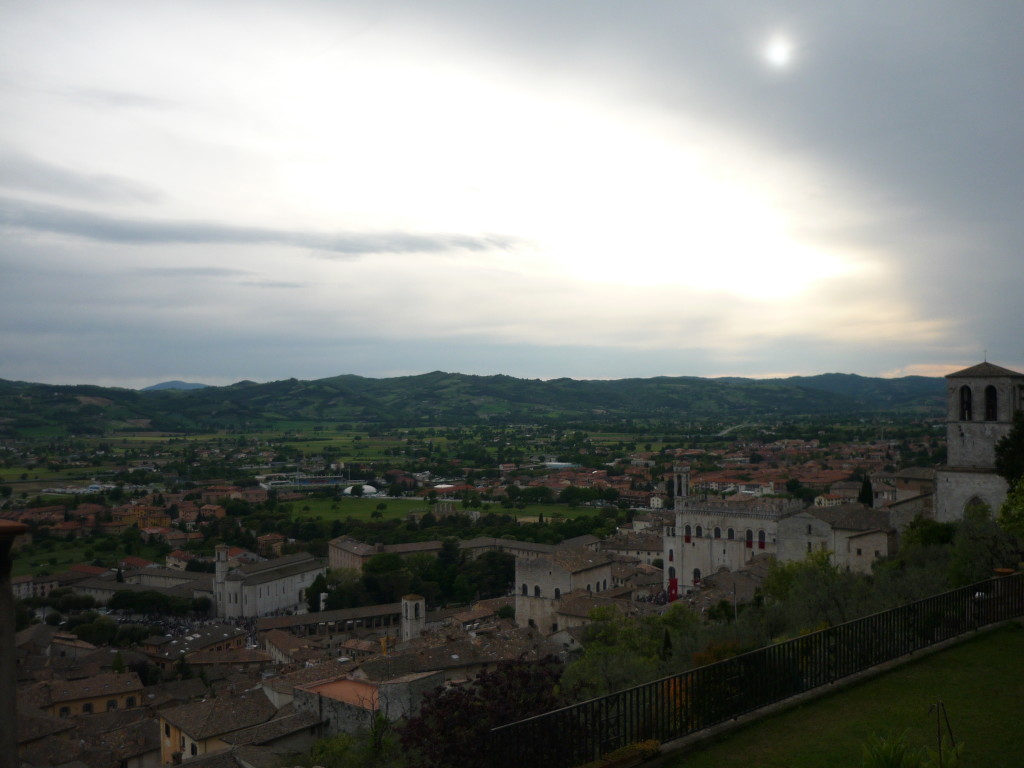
[
  {"x": 452, "y": 722},
  {"x": 813, "y": 593},
  {"x": 1011, "y": 513},
  {"x": 1010, "y": 452},
  {"x": 101, "y": 631},
  {"x": 373, "y": 747},
  {"x": 314, "y": 591},
  {"x": 866, "y": 495},
  {"x": 979, "y": 547},
  {"x": 621, "y": 652}
]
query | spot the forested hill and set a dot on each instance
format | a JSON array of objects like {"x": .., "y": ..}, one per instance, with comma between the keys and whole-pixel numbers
[{"x": 451, "y": 398}]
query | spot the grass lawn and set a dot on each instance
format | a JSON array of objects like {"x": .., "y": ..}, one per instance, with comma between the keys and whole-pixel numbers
[
  {"x": 981, "y": 682},
  {"x": 57, "y": 556}
]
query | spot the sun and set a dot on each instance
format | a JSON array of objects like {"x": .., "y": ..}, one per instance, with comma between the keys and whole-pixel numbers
[{"x": 778, "y": 51}]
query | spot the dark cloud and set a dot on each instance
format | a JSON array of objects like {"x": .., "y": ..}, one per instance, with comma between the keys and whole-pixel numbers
[
  {"x": 19, "y": 171},
  {"x": 191, "y": 272},
  {"x": 65, "y": 221}
]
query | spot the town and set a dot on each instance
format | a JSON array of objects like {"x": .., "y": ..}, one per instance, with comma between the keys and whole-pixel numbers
[{"x": 256, "y": 596}]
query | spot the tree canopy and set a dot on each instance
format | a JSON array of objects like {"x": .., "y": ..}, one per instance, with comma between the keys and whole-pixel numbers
[
  {"x": 1010, "y": 452},
  {"x": 464, "y": 714}
]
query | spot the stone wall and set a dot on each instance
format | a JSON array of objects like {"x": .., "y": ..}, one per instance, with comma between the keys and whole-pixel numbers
[{"x": 956, "y": 488}]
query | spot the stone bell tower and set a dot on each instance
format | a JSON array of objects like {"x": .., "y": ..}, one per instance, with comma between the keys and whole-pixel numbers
[{"x": 980, "y": 405}]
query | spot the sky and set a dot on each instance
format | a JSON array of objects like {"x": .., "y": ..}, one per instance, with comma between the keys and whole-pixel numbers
[{"x": 220, "y": 191}]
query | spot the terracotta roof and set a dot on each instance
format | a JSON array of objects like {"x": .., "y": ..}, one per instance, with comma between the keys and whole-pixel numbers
[
  {"x": 215, "y": 717},
  {"x": 325, "y": 671},
  {"x": 37, "y": 725},
  {"x": 100, "y": 685},
  {"x": 274, "y": 729},
  {"x": 579, "y": 603},
  {"x": 271, "y": 570},
  {"x": 852, "y": 517},
  {"x": 231, "y": 656},
  {"x": 453, "y": 649},
  {"x": 576, "y": 560}
]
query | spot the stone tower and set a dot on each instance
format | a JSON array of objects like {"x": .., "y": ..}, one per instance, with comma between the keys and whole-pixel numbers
[
  {"x": 220, "y": 574},
  {"x": 980, "y": 404},
  {"x": 414, "y": 616}
]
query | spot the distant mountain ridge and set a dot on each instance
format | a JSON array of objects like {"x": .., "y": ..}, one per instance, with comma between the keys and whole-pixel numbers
[{"x": 440, "y": 398}]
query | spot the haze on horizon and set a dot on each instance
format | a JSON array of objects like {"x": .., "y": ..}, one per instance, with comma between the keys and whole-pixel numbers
[{"x": 214, "y": 192}]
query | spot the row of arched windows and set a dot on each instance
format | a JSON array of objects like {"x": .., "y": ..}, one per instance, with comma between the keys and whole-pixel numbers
[
  {"x": 699, "y": 532},
  {"x": 967, "y": 405},
  {"x": 597, "y": 586}
]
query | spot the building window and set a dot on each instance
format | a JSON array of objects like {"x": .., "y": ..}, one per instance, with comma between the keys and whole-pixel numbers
[
  {"x": 730, "y": 534},
  {"x": 760, "y": 540},
  {"x": 965, "y": 403},
  {"x": 808, "y": 546},
  {"x": 750, "y": 539},
  {"x": 858, "y": 551},
  {"x": 991, "y": 403},
  {"x": 87, "y": 708},
  {"x": 111, "y": 705},
  {"x": 605, "y": 584},
  {"x": 672, "y": 572},
  {"x": 526, "y": 590},
  {"x": 536, "y": 591},
  {"x": 718, "y": 533},
  {"x": 671, "y": 555},
  {"x": 696, "y": 576},
  {"x": 700, "y": 531},
  {"x": 65, "y": 711},
  {"x": 808, "y": 529},
  {"x": 558, "y": 593},
  {"x": 167, "y": 729},
  {"x": 193, "y": 750}
]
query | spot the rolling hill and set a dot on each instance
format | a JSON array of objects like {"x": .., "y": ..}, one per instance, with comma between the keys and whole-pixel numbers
[{"x": 440, "y": 398}]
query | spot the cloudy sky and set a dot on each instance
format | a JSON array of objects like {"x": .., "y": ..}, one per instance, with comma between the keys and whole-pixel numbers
[{"x": 217, "y": 191}]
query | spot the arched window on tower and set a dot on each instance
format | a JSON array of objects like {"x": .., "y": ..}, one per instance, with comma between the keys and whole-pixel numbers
[
  {"x": 731, "y": 534},
  {"x": 991, "y": 403},
  {"x": 760, "y": 539},
  {"x": 750, "y": 539},
  {"x": 965, "y": 403},
  {"x": 686, "y": 533},
  {"x": 700, "y": 531},
  {"x": 536, "y": 591}
]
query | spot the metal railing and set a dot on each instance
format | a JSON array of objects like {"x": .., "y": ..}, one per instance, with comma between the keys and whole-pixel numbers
[{"x": 683, "y": 704}]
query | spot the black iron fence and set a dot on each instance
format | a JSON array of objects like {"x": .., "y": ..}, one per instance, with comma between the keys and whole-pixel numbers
[{"x": 683, "y": 704}]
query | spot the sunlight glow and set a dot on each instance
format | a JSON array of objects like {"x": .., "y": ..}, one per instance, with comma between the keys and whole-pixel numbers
[{"x": 778, "y": 51}]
